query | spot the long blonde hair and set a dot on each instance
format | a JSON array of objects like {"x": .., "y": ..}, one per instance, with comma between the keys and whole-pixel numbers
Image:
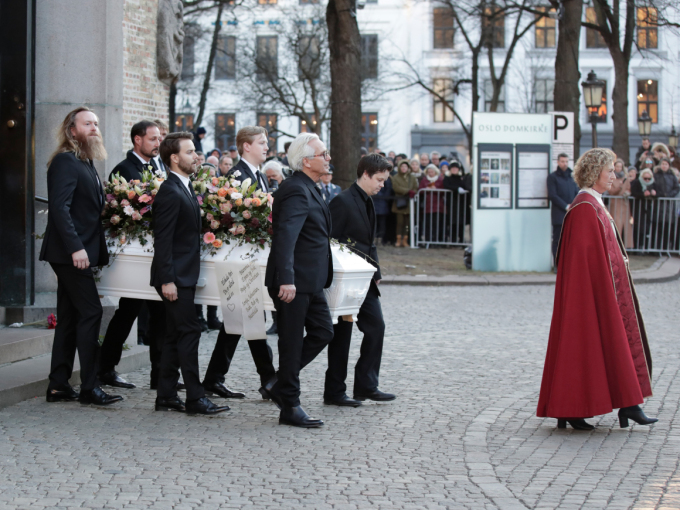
[{"x": 65, "y": 140}]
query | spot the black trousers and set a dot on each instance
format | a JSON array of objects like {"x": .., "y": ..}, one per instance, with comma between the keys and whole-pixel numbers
[
  {"x": 223, "y": 353},
  {"x": 180, "y": 347},
  {"x": 79, "y": 316},
  {"x": 366, "y": 372},
  {"x": 306, "y": 312},
  {"x": 119, "y": 330},
  {"x": 556, "y": 231}
]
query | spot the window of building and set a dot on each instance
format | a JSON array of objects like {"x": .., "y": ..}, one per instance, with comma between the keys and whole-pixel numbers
[
  {"x": 188, "y": 56},
  {"x": 309, "y": 53},
  {"x": 594, "y": 38},
  {"x": 369, "y": 56},
  {"x": 544, "y": 95},
  {"x": 225, "y": 58},
  {"x": 648, "y": 98},
  {"x": 304, "y": 128},
  {"x": 545, "y": 29},
  {"x": 493, "y": 23},
  {"x": 442, "y": 22},
  {"x": 267, "y": 57},
  {"x": 647, "y": 23},
  {"x": 225, "y": 130},
  {"x": 441, "y": 112},
  {"x": 267, "y": 2},
  {"x": 369, "y": 131},
  {"x": 184, "y": 122},
  {"x": 268, "y": 121},
  {"x": 488, "y": 95}
]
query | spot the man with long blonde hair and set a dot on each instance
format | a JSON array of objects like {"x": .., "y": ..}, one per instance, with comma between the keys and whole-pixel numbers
[{"x": 74, "y": 242}]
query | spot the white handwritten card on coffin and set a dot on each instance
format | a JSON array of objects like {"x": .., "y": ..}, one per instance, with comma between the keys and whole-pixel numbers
[{"x": 239, "y": 284}]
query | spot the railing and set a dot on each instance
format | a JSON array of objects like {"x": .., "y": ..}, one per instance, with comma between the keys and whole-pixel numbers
[
  {"x": 439, "y": 217},
  {"x": 646, "y": 225}
]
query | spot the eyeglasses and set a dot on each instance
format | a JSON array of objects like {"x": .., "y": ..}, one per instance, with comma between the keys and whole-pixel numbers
[{"x": 324, "y": 155}]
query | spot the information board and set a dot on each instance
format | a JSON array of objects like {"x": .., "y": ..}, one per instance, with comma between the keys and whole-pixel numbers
[
  {"x": 533, "y": 168},
  {"x": 495, "y": 176}
]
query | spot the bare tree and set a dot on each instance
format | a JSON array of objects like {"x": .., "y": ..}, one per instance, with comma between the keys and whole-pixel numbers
[
  {"x": 344, "y": 43},
  {"x": 618, "y": 30},
  {"x": 297, "y": 82}
]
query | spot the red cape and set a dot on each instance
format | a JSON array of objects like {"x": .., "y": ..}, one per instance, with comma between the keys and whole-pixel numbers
[{"x": 598, "y": 357}]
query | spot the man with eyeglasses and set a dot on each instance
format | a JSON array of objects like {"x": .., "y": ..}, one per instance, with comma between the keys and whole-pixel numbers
[{"x": 300, "y": 266}]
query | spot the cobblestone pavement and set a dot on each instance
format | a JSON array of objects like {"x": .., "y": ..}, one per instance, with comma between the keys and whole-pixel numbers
[{"x": 466, "y": 364}]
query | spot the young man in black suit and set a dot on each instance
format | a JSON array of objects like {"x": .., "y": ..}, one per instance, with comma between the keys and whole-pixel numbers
[
  {"x": 174, "y": 274},
  {"x": 252, "y": 143},
  {"x": 354, "y": 219},
  {"x": 299, "y": 268},
  {"x": 74, "y": 241},
  {"x": 146, "y": 139}
]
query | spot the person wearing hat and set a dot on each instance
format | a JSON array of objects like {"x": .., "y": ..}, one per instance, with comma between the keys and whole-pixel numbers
[
  {"x": 328, "y": 189},
  {"x": 198, "y": 137},
  {"x": 458, "y": 184},
  {"x": 233, "y": 154}
]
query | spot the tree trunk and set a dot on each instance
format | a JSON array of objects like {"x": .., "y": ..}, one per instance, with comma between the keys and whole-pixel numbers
[
  {"x": 620, "y": 102},
  {"x": 567, "y": 92},
  {"x": 211, "y": 60},
  {"x": 345, "y": 57}
]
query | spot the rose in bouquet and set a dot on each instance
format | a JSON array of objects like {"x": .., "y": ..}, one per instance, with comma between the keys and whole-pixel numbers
[
  {"x": 127, "y": 212},
  {"x": 232, "y": 211}
]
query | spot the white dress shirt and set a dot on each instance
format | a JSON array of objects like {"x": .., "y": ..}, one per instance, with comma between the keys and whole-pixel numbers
[{"x": 185, "y": 181}]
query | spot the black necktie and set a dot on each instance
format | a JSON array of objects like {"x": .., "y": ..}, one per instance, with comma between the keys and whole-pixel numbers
[
  {"x": 153, "y": 164},
  {"x": 328, "y": 191}
]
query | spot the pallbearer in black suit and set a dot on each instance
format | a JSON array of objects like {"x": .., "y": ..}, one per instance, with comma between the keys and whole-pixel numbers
[
  {"x": 354, "y": 221},
  {"x": 146, "y": 139},
  {"x": 74, "y": 241},
  {"x": 299, "y": 268},
  {"x": 174, "y": 274},
  {"x": 252, "y": 146}
]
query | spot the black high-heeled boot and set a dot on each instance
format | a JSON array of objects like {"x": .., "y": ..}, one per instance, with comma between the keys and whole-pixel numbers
[
  {"x": 576, "y": 423},
  {"x": 636, "y": 414}
]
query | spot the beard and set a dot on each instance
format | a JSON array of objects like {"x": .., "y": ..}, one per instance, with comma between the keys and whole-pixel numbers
[
  {"x": 92, "y": 146},
  {"x": 149, "y": 154},
  {"x": 187, "y": 168}
]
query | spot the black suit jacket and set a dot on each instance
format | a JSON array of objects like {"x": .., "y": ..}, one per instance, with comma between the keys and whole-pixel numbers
[
  {"x": 130, "y": 168},
  {"x": 243, "y": 167},
  {"x": 76, "y": 201},
  {"x": 351, "y": 224},
  {"x": 177, "y": 235},
  {"x": 301, "y": 250}
]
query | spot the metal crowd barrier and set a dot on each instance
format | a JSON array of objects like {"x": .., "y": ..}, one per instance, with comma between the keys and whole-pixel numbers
[
  {"x": 646, "y": 225},
  {"x": 439, "y": 217}
]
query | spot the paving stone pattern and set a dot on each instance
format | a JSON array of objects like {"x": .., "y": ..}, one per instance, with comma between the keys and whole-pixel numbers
[{"x": 466, "y": 363}]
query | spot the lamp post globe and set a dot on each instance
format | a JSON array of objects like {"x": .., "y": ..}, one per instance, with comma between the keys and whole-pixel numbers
[
  {"x": 644, "y": 124},
  {"x": 593, "y": 89}
]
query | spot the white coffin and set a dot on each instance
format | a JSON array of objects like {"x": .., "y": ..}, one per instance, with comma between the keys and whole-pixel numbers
[{"x": 129, "y": 276}]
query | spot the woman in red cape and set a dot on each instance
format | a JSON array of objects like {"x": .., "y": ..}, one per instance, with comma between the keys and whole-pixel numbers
[{"x": 598, "y": 358}]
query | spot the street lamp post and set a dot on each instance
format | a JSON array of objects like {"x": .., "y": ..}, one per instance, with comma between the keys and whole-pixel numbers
[
  {"x": 673, "y": 138},
  {"x": 592, "y": 95},
  {"x": 644, "y": 124}
]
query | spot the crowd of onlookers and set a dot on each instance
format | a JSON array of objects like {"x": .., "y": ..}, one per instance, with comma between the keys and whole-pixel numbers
[
  {"x": 442, "y": 216},
  {"x": 648, "y": 223}
]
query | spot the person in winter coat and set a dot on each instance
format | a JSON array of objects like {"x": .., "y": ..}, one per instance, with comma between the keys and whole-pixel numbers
[
  {"x": 404, "y": 186},
  {"x": 562, "y": 190},
  {"x": 667, "y": 186},
  {"x": 433, "y": 206},
  {"x": 644, "y": 209},
  {"x": 460, "y": 188}
]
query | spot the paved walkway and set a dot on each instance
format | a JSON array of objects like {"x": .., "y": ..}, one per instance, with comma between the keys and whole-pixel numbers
[{"x": 466, "y": 363}]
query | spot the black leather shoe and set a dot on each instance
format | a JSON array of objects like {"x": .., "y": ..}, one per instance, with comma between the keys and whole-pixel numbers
[
  {"x": 204, "y": 324},
  {"x": 214, "y": 324},
  {"x": 170, "y": 404},
  {"x": 377, "y": 395},
  {"x": 97, "y": 397},
  {"x": 66, "y": 395},
  {"x": 297, "y": 417},
  {"x": 113, "y": 379},
  {"x": 204, "y": 406},
  {"x": 273, "y": 330},
  {"x": 268, "y": 390},
  {"x": 576, "y": 423},
  {"x": 636, "y": 414},
  {"x": 221, "y": 390},
  {"x": 343, "y": 401}
]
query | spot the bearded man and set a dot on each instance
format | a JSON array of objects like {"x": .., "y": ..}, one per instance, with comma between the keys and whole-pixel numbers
[{"x": 74, "y": 242}]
